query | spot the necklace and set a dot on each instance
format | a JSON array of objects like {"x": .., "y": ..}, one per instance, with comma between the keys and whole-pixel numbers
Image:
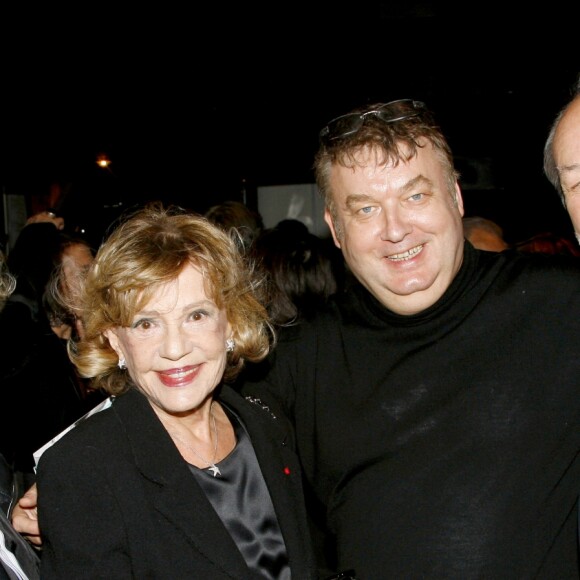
[{"x": 212, "y": 466}]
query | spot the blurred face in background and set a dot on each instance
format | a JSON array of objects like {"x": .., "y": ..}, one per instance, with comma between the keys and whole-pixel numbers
[
  {"x": 76, "y": 260},
  {"x": 484, "y": 240}
]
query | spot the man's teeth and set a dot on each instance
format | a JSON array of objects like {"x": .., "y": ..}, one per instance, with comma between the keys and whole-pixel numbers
[{"x": 408, "y": 254}]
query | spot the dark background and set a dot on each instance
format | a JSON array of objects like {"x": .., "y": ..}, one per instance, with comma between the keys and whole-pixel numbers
[{"x": 198, "y": 105}]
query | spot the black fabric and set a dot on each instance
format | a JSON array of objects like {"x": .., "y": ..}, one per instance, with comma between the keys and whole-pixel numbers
[
  {"x": 444, "y": 444},
  {"x": 133, "y": 509},
  {"x": 240, "y": 497},
  {"x": 18, "y": 560},
  {"x": 7, "y": 487},
  {"x": 38, "y": 383}
]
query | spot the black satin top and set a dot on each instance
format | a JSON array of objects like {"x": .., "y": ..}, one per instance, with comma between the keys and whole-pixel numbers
[{"x": 241, "y": 499}]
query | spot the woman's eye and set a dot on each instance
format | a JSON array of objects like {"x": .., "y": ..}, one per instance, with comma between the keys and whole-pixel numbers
[
  {"x": 143, "y": 324},
  {"x": 198, "y": 315}
]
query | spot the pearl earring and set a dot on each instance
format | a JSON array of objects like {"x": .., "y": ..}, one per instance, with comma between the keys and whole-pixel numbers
[
  {"x": 230, "y": 344},
  {"x": 122, "y": 364}
]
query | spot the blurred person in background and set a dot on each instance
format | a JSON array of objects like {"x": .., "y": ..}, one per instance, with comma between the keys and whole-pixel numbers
[
  {"x": 549, "y": 243},
  {"x": 17, "y": 558},
  {"x": 39, "y": 384},
  {"x": 230, "y": 214},
  {"x": 60, "y": 297},
  {"x": 562, "y": 157},
  {"x": 7, "y": 281},
  {"x": 484, "y": 234},
  {"x": 302, "y": 270}
]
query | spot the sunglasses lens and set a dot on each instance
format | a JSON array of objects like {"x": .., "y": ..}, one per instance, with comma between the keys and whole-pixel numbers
[
  {"x": 399, "y": 110},
  {"x": 342, "y": 126}
]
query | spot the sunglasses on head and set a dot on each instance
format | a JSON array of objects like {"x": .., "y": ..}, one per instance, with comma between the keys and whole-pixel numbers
[{"x": 352, "y": 122}]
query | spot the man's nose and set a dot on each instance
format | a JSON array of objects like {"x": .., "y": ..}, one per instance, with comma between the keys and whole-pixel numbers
[{"x": 394, "y": 225}]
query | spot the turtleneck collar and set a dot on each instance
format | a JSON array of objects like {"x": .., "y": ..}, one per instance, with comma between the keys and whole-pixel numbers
[{"x": 459, "y": 293}]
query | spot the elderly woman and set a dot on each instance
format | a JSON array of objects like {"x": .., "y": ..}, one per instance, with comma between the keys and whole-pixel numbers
[{"x": 180, "y": 477}]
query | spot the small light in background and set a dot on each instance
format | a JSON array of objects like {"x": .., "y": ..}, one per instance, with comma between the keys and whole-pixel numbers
[{"x": 103, "y": 160}]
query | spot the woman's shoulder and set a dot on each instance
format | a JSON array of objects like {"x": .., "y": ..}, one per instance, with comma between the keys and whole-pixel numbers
[
  {"x": 92, "y": 431},
  {"x": 254, "y": 409}
]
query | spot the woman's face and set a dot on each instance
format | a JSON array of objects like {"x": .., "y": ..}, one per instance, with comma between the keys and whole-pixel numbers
[{"x": 175, "y": 348}]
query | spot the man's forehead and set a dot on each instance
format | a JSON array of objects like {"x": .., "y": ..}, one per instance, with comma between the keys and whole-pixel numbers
[
  {"x": 372, "y": 156},
  {"x": 567, "y": 137}
]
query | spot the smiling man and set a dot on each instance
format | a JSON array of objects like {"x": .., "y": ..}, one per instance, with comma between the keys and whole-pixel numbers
[
  {"x": 436, "y": 400},
  {"x": 562, "y": 158}
]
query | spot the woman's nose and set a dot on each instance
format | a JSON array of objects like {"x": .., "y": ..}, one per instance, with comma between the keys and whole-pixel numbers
[{"x": 176, "y": 343}]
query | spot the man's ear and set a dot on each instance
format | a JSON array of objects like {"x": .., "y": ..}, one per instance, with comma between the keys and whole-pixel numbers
[
  {"x": 459, "y": 199},
  {"x": 328, "y": 219}
]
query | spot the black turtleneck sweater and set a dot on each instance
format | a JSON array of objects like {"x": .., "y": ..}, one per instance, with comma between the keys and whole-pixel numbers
[{"x": 445, "y": 444}]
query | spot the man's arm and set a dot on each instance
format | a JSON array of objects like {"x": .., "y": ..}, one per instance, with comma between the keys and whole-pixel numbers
[{"x": 25, "y": 517}]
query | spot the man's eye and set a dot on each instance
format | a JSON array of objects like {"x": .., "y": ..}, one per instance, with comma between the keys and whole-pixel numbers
[
  {"x": 366, "y": 210},
  {"x": 416, "y": 197}
]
